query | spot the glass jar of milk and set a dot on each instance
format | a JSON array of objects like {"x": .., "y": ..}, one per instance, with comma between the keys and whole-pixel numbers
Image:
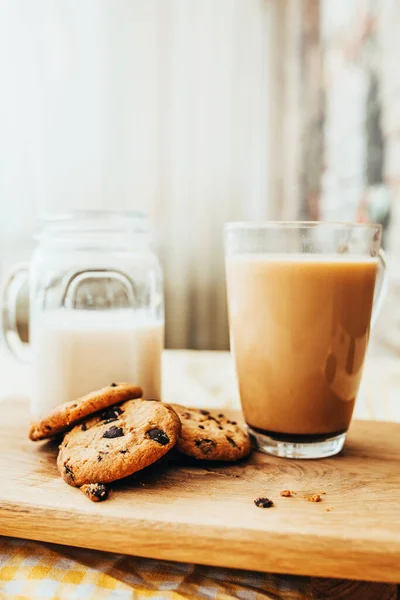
[{"x": 96, "y": 307}]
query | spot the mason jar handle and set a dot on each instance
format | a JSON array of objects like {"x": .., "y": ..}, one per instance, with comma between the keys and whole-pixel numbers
[
  {"x": 74, "y": 281},
  {"x": 12, "y": 287},
  {"x": 381, "y": 286}
]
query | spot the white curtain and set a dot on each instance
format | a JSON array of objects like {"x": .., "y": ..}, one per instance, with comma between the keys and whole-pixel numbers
[{"x": 159, "y": 105}]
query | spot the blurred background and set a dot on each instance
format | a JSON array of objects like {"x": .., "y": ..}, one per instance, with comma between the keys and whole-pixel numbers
[{"x": 199, "y": 112}]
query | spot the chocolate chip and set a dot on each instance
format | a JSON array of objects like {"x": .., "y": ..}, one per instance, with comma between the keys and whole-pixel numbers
[
  {"x": 83, "y": 427},
  {"x": 113, "y": 384},
  {"x": 219, "y": 427},
  {"x": 113, "y": 432},
  {"x": 205, "y": 445},
  {"x": 211, "y": 418},
  {"x": 158, "y": 435},
  {"x": 102, "y": 454},
  {"x": 112, "y": 413},
  {"x": 69, "y": 472},
  {"x": 233, "y": 423},
  {"x": 221, "y": 415},
  {"x": 204, "y": 412},
  {"x": 231, "y": 441},
  {"x": 263, "y": 502},
  {"x": 99, "y": 458},
  {"x": 74, "y": 405},
  {"x": 123, "y": 451},
  {"x": 201, "y": 426}
]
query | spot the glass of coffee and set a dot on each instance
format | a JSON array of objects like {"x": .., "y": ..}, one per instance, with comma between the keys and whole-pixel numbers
[{"x": 301, "y": 296}]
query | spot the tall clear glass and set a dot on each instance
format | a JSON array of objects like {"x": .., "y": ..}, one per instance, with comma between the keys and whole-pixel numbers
[{"x": 301, "y": 297}]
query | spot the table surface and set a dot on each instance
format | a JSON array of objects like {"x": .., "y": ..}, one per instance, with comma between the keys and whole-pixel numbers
[{"x": 206, "y": 379}]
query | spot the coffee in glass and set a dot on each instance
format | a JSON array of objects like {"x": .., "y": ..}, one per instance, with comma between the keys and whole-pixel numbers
[{"x": 300, "y": 301}]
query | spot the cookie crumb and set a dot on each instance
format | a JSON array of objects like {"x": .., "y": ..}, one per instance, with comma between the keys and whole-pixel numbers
[
  {"x": 329, "y": 508},
  {"x": 287, "y": 493},
  {"x": 263, "y": 502},
  {"x": 322, "y": 493},
  {"x": 96, "y": 492},
  {"x": 314, "y": 498}
]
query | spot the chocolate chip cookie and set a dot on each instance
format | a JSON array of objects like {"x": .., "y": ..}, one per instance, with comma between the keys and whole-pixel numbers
[
  {"x": 67, "y": 415},
  {"x": 120, "y": 441},
  {"x": 211, "y": 437}
]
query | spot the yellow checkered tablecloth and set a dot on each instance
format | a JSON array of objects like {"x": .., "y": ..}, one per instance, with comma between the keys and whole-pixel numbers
[{"x": 39, "y": 571}]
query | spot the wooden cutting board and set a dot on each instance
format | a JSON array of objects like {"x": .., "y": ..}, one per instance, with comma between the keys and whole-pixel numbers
[{"x": 206, "y": 514}]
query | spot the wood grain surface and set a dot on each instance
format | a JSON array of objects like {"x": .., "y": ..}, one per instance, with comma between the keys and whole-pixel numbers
[{"x": 206, "y": 514}]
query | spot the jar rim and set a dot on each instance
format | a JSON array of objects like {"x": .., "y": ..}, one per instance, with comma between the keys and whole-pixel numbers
[{"x": 92, "y": 222}]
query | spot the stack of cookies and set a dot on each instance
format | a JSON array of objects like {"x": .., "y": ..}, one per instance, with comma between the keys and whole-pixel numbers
[{"x": 113, "y": 433}]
